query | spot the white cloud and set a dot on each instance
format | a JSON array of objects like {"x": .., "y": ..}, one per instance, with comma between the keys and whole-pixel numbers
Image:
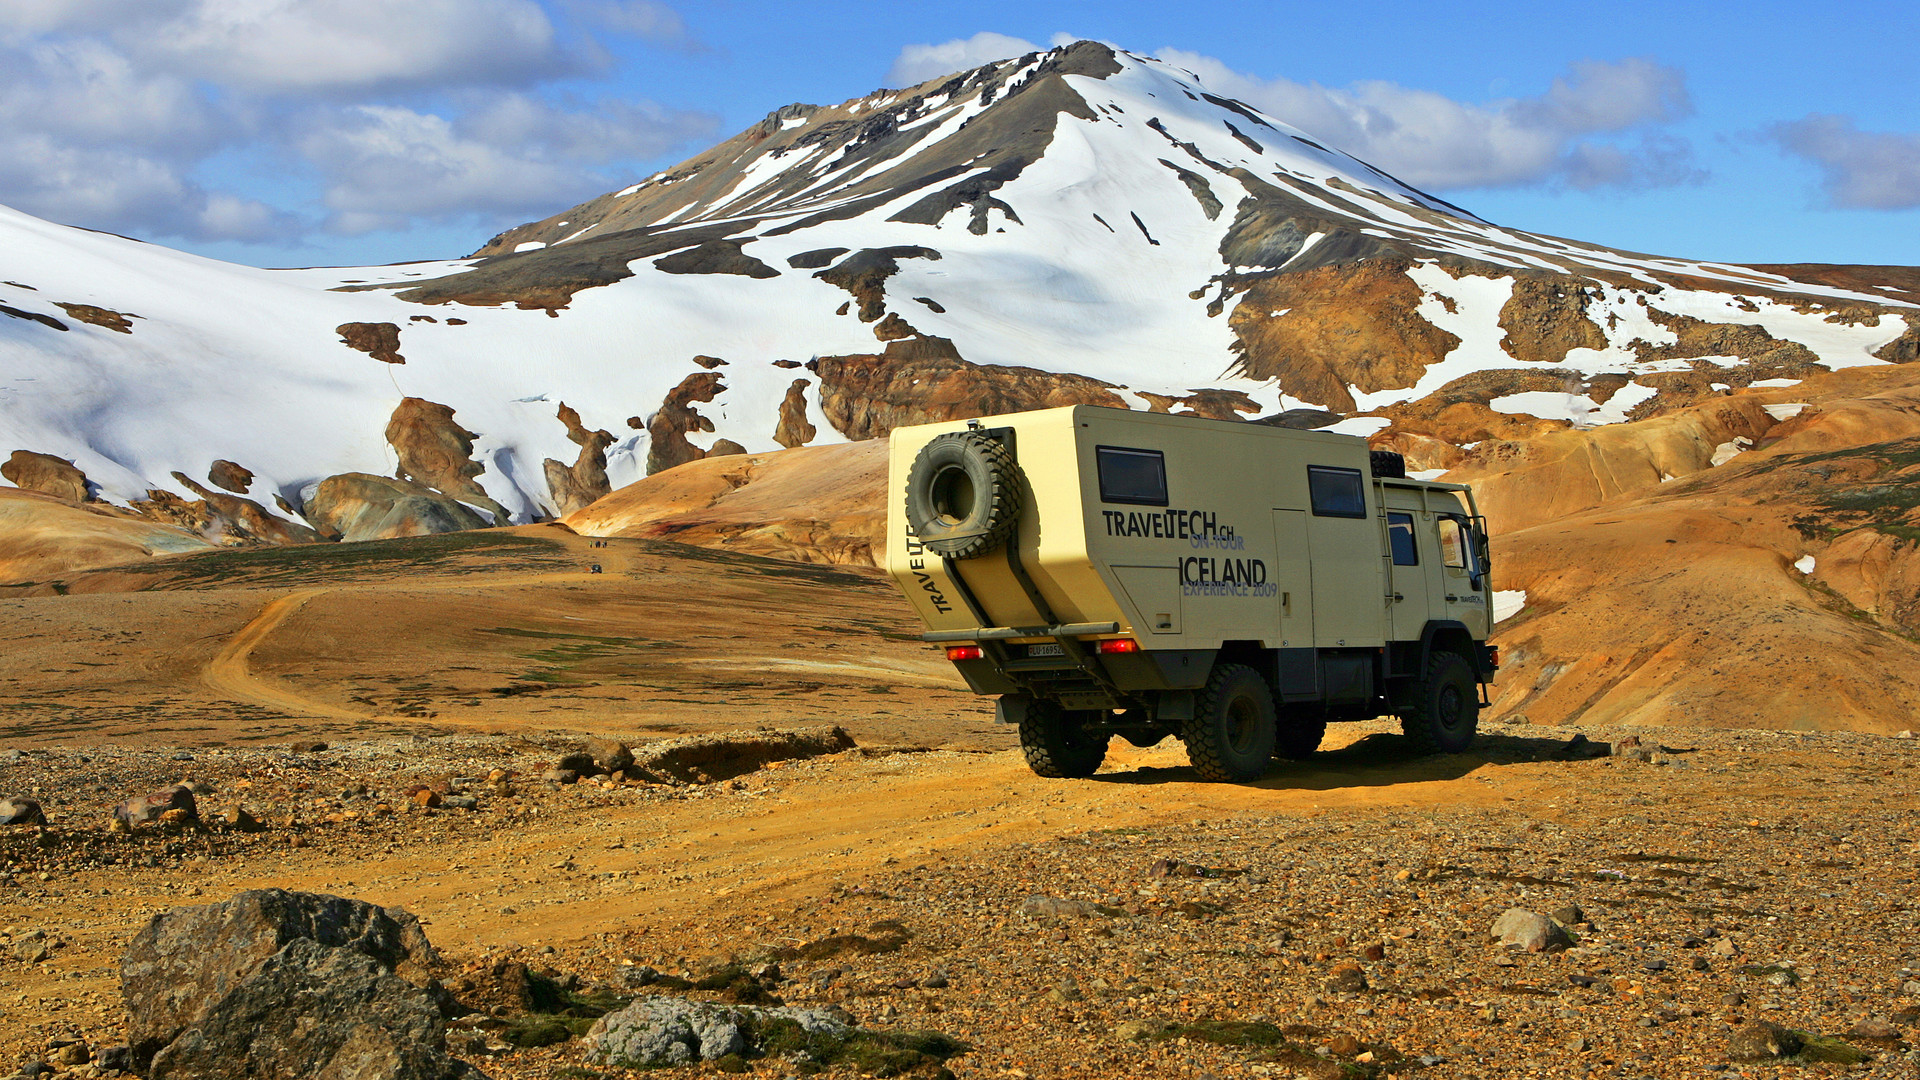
[
  {"x": 1864, "y": 170},
  {"x": 116, "y": 114},
  {"x": 643, "y": 19},
  {"x": 513, "y": 156},
  {"x": 918, "y": 63},
  {"x": 1433, "y": 141}
]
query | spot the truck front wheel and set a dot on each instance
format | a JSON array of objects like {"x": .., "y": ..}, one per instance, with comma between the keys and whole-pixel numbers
[
  {"x": 1058, "y": 743},
  {"x": 1445, "y": 712},
  {"x": 1231, "y": 734}
]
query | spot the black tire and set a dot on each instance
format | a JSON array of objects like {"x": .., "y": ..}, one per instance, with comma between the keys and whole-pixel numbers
[
  {"x": 1445, "y": 712},
  {"x": 1057, "y": 743},
  {"x": 1231, "y": 735},
  {"x": 1300, "y": 732},
  {"x": 963, "y": 494}
]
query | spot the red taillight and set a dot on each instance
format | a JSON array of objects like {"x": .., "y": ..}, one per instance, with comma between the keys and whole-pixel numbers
[
  {"x": 1119, "y": 645},
  {"x": 965, "y": 652},
  {"x": 1493, "y": 655}
]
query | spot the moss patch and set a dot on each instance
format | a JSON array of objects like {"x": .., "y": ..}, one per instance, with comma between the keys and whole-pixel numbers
[{"x": 873, "y": 1053}]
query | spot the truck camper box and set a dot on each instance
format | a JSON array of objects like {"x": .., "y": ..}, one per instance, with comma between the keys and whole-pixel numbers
[{"x": 1106, "y": 572}]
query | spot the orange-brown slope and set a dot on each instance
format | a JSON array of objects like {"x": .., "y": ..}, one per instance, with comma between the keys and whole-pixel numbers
[
  {"x": 1779, "y": 589},
  {"x": 42, "y": 537},
  {"x": 821, "y": 504}
]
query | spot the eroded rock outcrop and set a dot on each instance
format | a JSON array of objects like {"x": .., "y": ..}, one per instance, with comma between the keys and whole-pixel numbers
[
  {"x": 794, "y": 428},
  {"x": 43, "y": 538},
  {"x": 1212, "y": 404},
  {"x": 378, "y": 340},
  {"x": 922, "y": 380},
  {"x": 864, "y": 274},
  {"x": 47, "y": 475},
  {"x": 1546, "y": 317},
  {"x": 278, "y": 983},
  {"x": 577, "y": 486},
  {"x": 120, "y": 322},
  {"x": 1320, "y": 331},
  {"x": 233, "y": 477},
  {"x": 244, "y": 519},
  {"x": 436, "y": 452},
  {"x": 360, "y": 506},
  {"x": 667, "y": 443}
]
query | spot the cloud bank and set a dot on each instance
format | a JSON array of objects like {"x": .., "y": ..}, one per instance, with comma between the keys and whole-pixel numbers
[
  {"x": 1862, "y": 170},
  {"x": 149, "y": 117}
]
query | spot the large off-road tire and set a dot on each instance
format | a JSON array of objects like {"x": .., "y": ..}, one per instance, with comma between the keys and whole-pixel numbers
[
  {"x": 1445, "y": 711},
  {"x": 963, "y": 494},
  {"x": 1299, "y": 731},
  {"x": 1057, "y": 743},
  {"x": 1231, "y": 734}
]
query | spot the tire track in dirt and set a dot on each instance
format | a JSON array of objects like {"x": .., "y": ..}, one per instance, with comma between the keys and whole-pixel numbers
[{"x": 230, "y": 675}]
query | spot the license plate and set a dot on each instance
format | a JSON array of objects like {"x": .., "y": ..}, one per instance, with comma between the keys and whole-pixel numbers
[{"x": 1046, "y": 650}]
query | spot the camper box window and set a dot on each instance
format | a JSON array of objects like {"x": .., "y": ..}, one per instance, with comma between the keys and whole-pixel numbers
[
  {"x": 1132, "y": 476},
  {"x": 1336, "y": 492}
]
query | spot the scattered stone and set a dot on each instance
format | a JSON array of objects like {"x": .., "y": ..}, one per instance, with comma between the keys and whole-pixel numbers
[
  {"x": 460, "y": 802},
  {"x": 579, "y": 763},
  {"x": 155, "y": 805},
  {"x": 1569, "y": 915},
  {"x": 307, "y": 746},
  {"x": 658, "y": 1031},
  {"x": 1045, "y": 907},
  {"x": 560, "y": 776},
  {"x": 1530, "y": 931},
  {"x": 1760, "y": 1040},
  {"x": 21, "y": 812},
  {"x": 1873, "y": 1027},
  {"x": 1725, "y": 947},
  {"x": 427, "y": 799},
  {"x": 610, "y": 755},
  {"x": 1346, "y": 979}
]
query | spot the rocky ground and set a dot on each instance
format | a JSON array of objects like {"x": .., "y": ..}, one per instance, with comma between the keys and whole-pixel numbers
[{"x": 1332, "y": 920}]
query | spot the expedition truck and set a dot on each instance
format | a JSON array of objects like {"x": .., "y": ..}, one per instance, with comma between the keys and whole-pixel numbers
[{"x": 1107, "y": 572}]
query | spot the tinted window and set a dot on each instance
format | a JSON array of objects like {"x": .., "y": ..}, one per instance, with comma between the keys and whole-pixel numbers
[
  {"x": 1132, "y": 476},
  {"x": 1336, "y": 492},
  {"x": 1400, "y": 535}
]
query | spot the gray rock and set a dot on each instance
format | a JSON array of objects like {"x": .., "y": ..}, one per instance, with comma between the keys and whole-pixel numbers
[
  {"x": 1048, "y": 907},
  {"x": 21, "y": 812},
  {"x": 610, "y": 755},
  {"x": 1759, "y": 1040},
  {"x": 314, "y": 1010},
  {"x": 186, "y": 960},
  {"x": 658, "y": 1031},
  {"x": 460, "y": 802},
  {"x": 1530, "y": 931},
  {"x": 146, "y": 809},
  {"x": 560, "y": 776}
]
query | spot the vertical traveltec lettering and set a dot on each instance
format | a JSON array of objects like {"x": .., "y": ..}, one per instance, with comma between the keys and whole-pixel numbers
[{"x": 917, "y": 562}]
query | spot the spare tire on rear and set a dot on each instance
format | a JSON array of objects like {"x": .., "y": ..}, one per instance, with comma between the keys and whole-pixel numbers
[{"x": 963, "y": 494}]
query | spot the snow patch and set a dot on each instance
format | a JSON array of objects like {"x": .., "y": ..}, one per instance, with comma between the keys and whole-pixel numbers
[
  {"x": 1727, "y": 451},
  {"x": 529, "y": 245},
  {"x": 1804, "y": 564},
  {"x": 1785, "y": 410},
  {"x": 1507, "y": 603}
]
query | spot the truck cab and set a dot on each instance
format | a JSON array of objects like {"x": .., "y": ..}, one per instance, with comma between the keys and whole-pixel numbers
[{"x": 1112, "y": 573}]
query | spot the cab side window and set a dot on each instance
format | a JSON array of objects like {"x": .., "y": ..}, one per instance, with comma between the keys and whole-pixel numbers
[
  {"x": 1400, "y": 536},
  {"x": 1456, "y": 546}
]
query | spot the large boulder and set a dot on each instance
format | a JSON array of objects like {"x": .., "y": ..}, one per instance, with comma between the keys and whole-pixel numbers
[
  {"x": 361, "y": 506},
  {"x": 46, "y": 474},
  {"x": 313, "y": 1011},
  {"x": 339, "y": 985}
]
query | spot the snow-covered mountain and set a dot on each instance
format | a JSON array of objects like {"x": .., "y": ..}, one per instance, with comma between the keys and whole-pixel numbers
[{"x": 1078, "y": 225}]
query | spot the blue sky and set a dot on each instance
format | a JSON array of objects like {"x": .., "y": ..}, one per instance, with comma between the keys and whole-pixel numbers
[{"x": 302, "y": 132}]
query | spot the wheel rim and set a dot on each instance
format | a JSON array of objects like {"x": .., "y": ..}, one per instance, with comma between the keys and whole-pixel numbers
[
  {"x": 1242, "y": 724},
  {"x": 1452, "y": 707},
  {"x": 953, "y": 499}
]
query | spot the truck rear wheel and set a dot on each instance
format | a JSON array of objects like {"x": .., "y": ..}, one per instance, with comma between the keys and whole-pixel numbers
[
  {"x": 1058, "y": 743},
  {"x": 1231, "y": 734},
  {"x": 1445, "y": 712},
  {"x": 963, "y": 494}
]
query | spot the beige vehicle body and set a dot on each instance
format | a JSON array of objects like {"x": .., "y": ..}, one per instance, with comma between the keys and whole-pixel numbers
[{"x": 1146, "y": 552}]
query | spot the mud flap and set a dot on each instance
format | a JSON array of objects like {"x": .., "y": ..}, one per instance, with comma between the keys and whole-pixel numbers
[{"x": 1011, "y": 708}]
